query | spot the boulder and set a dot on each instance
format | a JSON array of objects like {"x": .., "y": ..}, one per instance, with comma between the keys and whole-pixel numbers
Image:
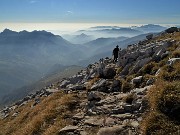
[
  {"x": 149, "y": 37},
  {"x": 116, "y": 85},
  {"x": 150, "y": 81},
  {"x": 77, "y": 87},
  {"x": 67, "y": 129},
  {"x": 141, "y": 91},
  {"x": 94, "y": 121},
  {"x": 123, "y": 116},
  {"x": 172, "y": 61},
  {"x": 137, "y": 80},
  {"x": 115, "y": 130},
  {"x": 99, "y": 84},
  {"x": 78, "y": 116},
  {"x": 140, "y": 63},
  {"x": 64, "y": 83},
  {"x": 92, "y": 96},
  {"x": 109, "y": 73},
  {"x": 158, "y": 72},
  {"x": 15, "y": 114},
  {"x": 125, "y": 70},
  {"x": 164, "y": 55}
]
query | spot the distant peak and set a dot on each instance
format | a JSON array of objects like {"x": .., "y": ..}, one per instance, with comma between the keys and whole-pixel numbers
[
  {"x": 7, "y": 30},
  {"x": 42, "y": 32}
]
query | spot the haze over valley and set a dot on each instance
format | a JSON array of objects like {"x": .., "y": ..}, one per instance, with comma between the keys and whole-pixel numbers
[{"x": 26, "y": 57}]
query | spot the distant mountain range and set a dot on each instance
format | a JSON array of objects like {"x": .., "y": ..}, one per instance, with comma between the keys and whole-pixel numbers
[
  {"x": 26, "y": 57},
  {"x": 112, "y": 31},
  {"x": 150, "y": 28},
  {"x": 79, "y": 39}
]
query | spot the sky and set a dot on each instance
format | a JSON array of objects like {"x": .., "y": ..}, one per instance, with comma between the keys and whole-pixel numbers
[{"x": 87, "y": 12}]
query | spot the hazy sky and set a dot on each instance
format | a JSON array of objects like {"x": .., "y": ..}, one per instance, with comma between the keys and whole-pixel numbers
[{"x": 90, "y": 11}]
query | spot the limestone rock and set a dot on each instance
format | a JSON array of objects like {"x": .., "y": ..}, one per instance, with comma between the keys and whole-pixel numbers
[
  {"x": 109, "y": 73},
  {"x": 116, "y": 85},
  {"x": 66, "y": 129},
  {"x": 64, "y": 83},
  {"x": 115, "y": 130},
  {"x": 77, "y": 87},
  {"x": 78, "y": 116},
  {"x": 150, "y": 81},
  {"x": 94, "y": 121},
  {"x": 98, "y": 84},
  {"x": 172, "y": 61},
  {"x": 92, "y": 96},
  {"x": 123, "y": 116},
  {"x": 137, "y": 80}
]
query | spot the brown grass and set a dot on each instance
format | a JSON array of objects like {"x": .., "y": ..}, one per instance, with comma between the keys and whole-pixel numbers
[
  {"x": 170, "y": 73},
  {"x": 164, "y": 99},
  {"x": 150, "y": 68},
  {"x": 176, "y": 54},
  {"x": 129, "y": 98},
  {"x": 45, "y": 118},
  {"x": 91, "y": 82}
]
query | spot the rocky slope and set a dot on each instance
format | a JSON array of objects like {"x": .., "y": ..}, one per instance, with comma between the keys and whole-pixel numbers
[{"x": 106, "y": 98}]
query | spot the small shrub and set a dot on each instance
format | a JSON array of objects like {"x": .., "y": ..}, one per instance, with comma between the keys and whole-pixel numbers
[
  {"x": 91, "y": 82},
  {"x": 158, "y": 124},
  {"x": 126, "y": 87},
  {"x": 118, "y": 70},
  {"x": 170, "y": 73},
  {"x": 169, "y": 102},
  {"x": 176, "y": 54},
  {"x": 163, "y": 114},
  {"x": 129, "y": 98},
  {"x": 145, "y": 79},
  {"x": 150, "y": 68},
  {"x": 130, "y": 77}
]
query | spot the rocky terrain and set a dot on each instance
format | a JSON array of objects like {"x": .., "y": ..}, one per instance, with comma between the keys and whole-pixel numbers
[{"x": 106, "y": 98}]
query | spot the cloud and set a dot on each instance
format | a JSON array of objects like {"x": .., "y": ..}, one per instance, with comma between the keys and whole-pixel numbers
[
  {"x": 33, "y": 1},
  {"x": 69, "y": 12}
]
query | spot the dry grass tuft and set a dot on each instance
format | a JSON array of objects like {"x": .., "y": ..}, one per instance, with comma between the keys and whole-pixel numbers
[
  {"x": 170, "y": 73},
  {"x": 176, "y": 54},
  {"x": 129, "y": 98},
  {"x": 163, "y": 116},
  {"x": 46, "y": 118},
  {"x": 91, "y": 82}
]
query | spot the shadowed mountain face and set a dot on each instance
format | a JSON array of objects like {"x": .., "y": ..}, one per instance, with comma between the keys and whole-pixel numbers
[{"x": 25, "y": 57}]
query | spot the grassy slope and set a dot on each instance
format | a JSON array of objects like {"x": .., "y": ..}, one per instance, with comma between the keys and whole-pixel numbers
[
  {"x": 163, "y": 115},
  {"x": 46, "y": 118}
]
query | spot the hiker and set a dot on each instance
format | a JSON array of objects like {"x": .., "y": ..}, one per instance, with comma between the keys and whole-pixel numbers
[{"x": 115, "y": 53}]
